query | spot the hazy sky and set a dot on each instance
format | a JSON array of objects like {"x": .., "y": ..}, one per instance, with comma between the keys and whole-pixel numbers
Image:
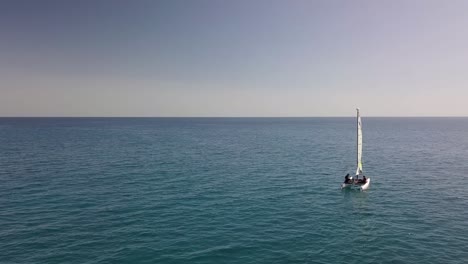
[{"x": 233, "y": 58}]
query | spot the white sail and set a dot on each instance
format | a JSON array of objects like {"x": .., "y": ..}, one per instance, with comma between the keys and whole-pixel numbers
[{"x": 359, "y": 144}]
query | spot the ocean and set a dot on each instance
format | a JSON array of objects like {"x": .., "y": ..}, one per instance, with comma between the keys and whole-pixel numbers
[{"x": 232, "y": 190}]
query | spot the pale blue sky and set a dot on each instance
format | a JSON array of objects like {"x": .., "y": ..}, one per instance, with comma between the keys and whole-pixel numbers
[{"x": 233, "y": 58}]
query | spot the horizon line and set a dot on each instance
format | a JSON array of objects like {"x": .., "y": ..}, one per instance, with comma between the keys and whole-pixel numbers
[{"x": 227, "y": 116}]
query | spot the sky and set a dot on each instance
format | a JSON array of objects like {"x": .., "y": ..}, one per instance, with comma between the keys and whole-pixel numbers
[{"x": 242, "y": 58}]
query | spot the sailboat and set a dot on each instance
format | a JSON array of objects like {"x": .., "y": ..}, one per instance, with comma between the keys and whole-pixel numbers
[{"x": 363, "y": 183}]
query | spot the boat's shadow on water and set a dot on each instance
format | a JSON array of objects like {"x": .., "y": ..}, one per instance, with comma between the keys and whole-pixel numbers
[
  {"x": 349, "y": 191},
  {"x": 355, "y": 198}
]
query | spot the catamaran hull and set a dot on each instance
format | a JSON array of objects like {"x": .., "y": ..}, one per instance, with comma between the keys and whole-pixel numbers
[
  {"x": 366, "y": 185},
  {"x": 346, "y": 186},
  {"x": 361, "y": 187}
]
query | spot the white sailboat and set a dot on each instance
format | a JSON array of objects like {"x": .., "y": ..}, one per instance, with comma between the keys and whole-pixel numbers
[{"x": 363, "y": 183}]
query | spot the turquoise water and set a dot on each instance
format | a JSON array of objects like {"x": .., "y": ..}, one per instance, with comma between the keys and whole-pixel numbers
[{"x": 232, "y": 190}]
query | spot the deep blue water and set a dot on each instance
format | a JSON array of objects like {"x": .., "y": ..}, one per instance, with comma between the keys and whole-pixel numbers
[{"x": 232, "y": 190}]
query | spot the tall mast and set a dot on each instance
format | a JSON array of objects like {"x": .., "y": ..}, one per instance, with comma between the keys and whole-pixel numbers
[
  {"x": 357, "y": 137},
  {"x": 358, "y": 143}
]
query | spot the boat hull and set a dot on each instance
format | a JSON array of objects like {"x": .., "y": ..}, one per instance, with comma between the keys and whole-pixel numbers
[
  {"x": 366, "y": 185},
  {"x": 357, "y": 186}
]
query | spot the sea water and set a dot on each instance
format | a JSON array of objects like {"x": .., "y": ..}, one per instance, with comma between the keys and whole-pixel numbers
[{"x": 232, "y": 190}]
